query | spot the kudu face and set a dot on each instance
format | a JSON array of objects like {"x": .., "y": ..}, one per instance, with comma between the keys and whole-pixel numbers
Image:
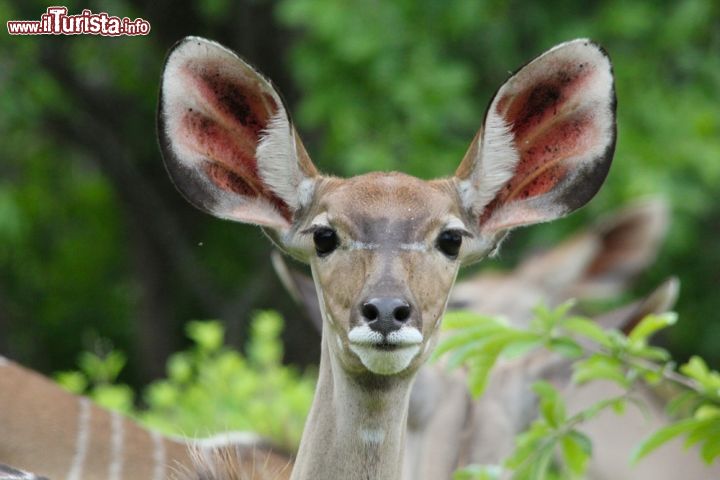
[
  {"x": 385, "y": 247},
  {"x": 384, "y": 287}
]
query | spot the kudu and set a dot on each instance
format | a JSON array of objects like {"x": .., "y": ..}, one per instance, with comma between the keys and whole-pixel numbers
[
  {"x": 384, "y": 248},
  {"x": 50, "y": 432},
  {"x": 447, "y": 429}
]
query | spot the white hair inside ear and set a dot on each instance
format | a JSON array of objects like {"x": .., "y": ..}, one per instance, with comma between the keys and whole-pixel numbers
[
  {"x": 495, "y": 160},
  {"x": 278, "y": 163}
]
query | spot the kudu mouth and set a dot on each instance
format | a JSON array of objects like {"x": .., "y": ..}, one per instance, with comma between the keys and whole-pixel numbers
[{"x": 385, "y": 354}]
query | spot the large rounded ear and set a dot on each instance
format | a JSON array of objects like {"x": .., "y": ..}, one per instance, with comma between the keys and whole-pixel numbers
[
  {"x": 546, "y": 143},
  {"x": 226, "y": 139},
  {"x": 601, "y": 261}
]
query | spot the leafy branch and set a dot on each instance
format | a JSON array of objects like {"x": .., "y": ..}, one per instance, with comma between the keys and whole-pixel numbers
[{"x": 553, "y": 445}]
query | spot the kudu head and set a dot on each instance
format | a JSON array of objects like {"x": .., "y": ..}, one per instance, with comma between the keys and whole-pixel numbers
[{"x": 385, "y": 248}]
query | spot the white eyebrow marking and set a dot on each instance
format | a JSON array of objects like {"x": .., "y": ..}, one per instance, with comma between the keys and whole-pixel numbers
[
  {"x": 355, "y": 245},
  {"x": 414, "y": 247},
  {"x": 81, "y": 442},
  {"x": 321, "y": 220},
  {"x": 455, "y": 224}
]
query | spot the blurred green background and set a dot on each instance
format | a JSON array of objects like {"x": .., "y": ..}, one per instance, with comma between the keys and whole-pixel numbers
[{"x": 97, "y": 250}]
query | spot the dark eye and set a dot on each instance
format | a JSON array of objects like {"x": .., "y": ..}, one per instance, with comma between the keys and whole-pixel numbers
[
  {"x": 449, "y": 241},
  {"x": 326, "y": 241}
]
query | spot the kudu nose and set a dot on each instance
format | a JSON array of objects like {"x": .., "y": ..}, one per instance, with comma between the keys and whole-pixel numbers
[{"x": 385, "y": 314}]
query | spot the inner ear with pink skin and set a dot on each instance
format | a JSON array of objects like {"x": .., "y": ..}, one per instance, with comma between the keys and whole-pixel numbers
[
  {"x": 225, "y": 135},
  {"x": 546, "y": 143}
]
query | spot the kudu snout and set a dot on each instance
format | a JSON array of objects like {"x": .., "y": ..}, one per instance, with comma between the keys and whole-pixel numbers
[{"x": 385, "y": 314}]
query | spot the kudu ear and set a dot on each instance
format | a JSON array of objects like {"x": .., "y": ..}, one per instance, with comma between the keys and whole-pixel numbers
[
  {"x": 601, "y": 261},
  {"x": 546, "y": 143},
  {"x": 660, "y": 300},
  {"x": 226, "y": 139},
  {"x": 629, "y": 243}
]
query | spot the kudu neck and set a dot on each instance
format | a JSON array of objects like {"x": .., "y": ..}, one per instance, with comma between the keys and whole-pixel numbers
[{"x": 356, "y": 426}]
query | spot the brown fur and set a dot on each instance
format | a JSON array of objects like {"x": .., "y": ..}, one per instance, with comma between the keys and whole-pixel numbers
[
  {"x": 38, "y": 431},
  {"x": 235, "y": 463}
]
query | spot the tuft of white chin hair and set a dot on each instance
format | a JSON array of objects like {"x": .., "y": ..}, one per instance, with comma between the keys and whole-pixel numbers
[{"x": 363, "y": 343}]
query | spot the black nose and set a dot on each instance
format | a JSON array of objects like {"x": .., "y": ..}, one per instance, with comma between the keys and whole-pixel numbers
[{"x": 385, "y": 314}]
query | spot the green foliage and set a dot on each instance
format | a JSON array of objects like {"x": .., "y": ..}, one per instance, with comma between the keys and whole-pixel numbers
[
  {"x": 100, "y": 373},
  {"x": 553, "y": 447},
  {"x": 210, "y": 388},
  {"x": 703, "y": 427}
]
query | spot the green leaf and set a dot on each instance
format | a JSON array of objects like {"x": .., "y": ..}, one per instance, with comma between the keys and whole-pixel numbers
[
  {"x": 656, "y": 354},
  {"x": 599, "y": 367},
  {"x": 589, "y": 329},
  {"x": 566, "y": 347},
  {"x": 706, "y": 412},
  {"x": 480, "y": 372},
  {"x": 545, "y": 320},
  {"x": 114, "y": 397},
  {"x": 704, "y": 430},
  {"x": 576, "y": 449},
  {"x": 711, "y": 449},
  {"x": 697, "y": 369},
  {"x": 651, "y": 324},
  {"x": 539, "y": 469},
  {"x": 179, "y": 367},
  {"x": 683, "y": 402},
  {"x": 479, "y": 472},
  {"x": 616, "y": 404},
  {"x": 661, "y": 437},
  {"x": 102, "y": 368},
  {"x": 552, "y": 406},
  {"x": 73, "y": 382},
  {"x": 469, "y": 335},
  {"x": 208, "y": 335},
  {"x": 651, "y": 377},
  {"x": 519, "y": 348},
  {"x": 528, "y": 443}
]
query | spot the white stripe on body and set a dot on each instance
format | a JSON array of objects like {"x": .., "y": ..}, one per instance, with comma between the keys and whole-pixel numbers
[
  {"x": 116, "y": 452},
  {"x": 82, "y": 441},
  {"x": 158, "y": 456},
  {"x": 248, "y": 439}
]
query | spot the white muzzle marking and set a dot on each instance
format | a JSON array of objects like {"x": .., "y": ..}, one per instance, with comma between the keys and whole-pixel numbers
[{"x": 366, "y": 344}]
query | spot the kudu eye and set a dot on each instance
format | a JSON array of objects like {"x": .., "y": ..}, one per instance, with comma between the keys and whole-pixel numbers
[
  {"x": 326, "y": 240},
  {"x": 449, "y": 242}
]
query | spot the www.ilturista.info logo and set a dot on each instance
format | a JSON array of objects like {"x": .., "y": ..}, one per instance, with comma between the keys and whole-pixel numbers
[{"x": 56, "y": 21}]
